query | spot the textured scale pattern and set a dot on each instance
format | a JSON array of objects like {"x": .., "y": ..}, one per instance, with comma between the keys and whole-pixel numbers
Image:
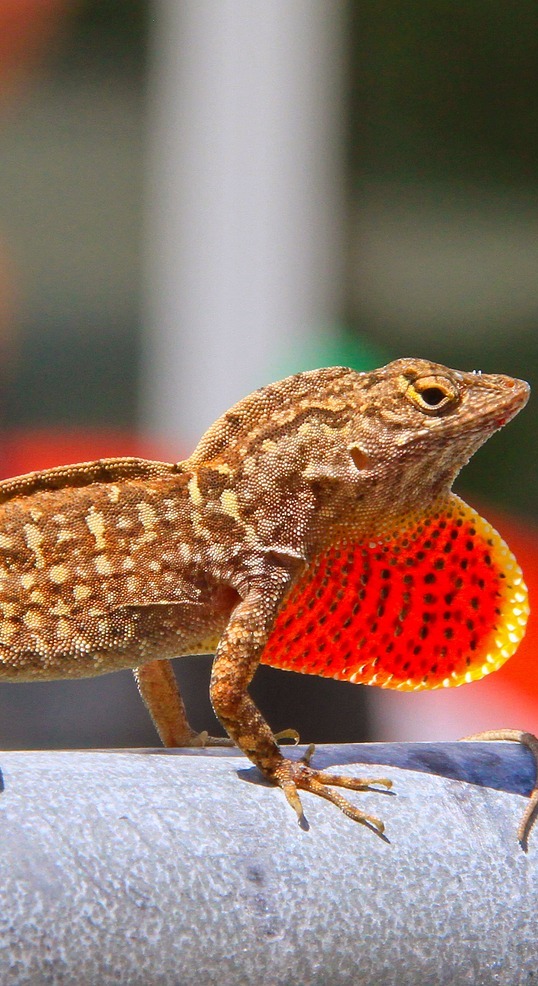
[
  {"x": 438, "y": 602},
  {"x": 98, "y": 582}
]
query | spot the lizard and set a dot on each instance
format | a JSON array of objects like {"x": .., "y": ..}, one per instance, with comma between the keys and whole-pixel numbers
[{"x": 313, "y": 528}]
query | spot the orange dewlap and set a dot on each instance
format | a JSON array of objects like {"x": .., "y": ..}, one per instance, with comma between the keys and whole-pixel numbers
[{"x": 438, "y": 602}]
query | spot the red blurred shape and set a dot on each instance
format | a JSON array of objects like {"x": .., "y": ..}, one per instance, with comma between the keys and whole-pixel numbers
[{"x": 26, "y": 451}]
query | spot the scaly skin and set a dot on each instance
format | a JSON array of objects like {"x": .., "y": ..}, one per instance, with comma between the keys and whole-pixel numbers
[{"x": 127, "y": 563}]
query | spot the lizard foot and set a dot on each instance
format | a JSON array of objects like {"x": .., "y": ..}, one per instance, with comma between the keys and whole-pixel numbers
[
  {"x": 292, "y": 776},
  {"x": 531, "y": 742}
]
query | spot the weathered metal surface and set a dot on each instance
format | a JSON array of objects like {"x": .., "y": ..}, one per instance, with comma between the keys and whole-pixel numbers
[{"x": 153, "y": 867}]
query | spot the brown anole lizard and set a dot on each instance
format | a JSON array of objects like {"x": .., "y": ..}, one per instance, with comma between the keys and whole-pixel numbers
[{"x": 313, "y": 528}]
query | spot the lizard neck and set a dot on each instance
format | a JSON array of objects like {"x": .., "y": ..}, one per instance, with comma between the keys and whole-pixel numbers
[{"x": 385, "y": 505}]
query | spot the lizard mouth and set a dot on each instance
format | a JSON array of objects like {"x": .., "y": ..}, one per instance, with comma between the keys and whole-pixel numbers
[{"x": 512, "y": 398}]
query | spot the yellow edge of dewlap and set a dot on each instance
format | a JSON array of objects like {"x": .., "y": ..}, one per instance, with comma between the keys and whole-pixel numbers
[{"x": 503, "y": 642}]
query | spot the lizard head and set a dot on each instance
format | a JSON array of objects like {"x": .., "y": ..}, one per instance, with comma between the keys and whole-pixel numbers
[{"x": 420, "y": 422}]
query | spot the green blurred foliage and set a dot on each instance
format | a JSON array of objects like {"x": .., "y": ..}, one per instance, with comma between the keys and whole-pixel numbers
[
  {"x": 109, "y": 33},
  {"x": 444, "y": 90}
]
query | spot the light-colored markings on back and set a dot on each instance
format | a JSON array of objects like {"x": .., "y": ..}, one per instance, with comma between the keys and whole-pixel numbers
[
  {"x": 171, "y": 511},
  {"x": 102, "y": 565},
  {"x": 148, "y": 516},
  {"x": 7, "y": 631},
  {"x": 58, "y": 574},
  {"x": 34, "y": 540},
  {"x": 32, "y": 620},
  {"x": 194, "y": 492},
  {"x": 96, "y": 525},
  {"x": 61, "y": 609},
  {"x": 63, "y": 628},
  {"x": 230, "y": 504},
  {"x": 81, "y": 592},
  {"x": 149, "y": 520},
  {"x": 9, "y": 609}
]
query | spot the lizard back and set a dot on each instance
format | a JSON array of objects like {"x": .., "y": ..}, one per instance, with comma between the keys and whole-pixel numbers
[{"x": 98, "y": 570}]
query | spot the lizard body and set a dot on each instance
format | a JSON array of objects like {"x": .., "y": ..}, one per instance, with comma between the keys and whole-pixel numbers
[{"x": 312, "y": 528}]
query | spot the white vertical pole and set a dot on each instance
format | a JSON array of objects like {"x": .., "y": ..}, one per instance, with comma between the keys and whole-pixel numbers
[{"x": 243, "y": 236}]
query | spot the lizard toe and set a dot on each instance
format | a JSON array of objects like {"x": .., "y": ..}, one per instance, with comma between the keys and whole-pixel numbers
[
  {"x": 531, "y": 742},
  {"x": 293, "y": 776}
]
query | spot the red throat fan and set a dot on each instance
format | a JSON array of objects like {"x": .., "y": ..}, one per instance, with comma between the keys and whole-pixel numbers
[{"x": 438, "y": 602}]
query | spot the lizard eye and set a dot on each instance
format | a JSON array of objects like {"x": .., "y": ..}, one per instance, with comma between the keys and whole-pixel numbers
[{"x": 433, "y": 395}]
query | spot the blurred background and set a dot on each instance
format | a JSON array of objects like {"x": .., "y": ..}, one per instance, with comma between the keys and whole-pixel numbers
[{"x": 200, "y": 196}]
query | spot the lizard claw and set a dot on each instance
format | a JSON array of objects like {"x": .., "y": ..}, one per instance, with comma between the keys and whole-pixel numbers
[
  {"x": 203, "y": 739},
  {"x": 308, "y": 754},
  {"x": 290, "y": 734},
  {"x": 293, "y": 776}
]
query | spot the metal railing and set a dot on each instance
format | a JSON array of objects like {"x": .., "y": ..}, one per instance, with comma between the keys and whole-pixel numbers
[{"x": 185, "y": 867}]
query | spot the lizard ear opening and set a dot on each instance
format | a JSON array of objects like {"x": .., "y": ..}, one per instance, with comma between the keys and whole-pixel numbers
[
  {"x": 360, "y": 459},
  {"x": 437, "y": 602}
]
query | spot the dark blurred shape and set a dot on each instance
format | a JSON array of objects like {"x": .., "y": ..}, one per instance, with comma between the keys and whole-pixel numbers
[
  {"x": 27, "y": 29},
  {"x": 444, "y": 92}
]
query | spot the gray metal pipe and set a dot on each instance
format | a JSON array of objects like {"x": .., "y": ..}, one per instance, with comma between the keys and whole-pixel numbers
[{"x": 174, "y": 868}]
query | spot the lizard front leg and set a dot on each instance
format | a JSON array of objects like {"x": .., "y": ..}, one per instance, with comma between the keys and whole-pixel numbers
[
  {"x": 236, "y": 660},
  {"x": 159, "y": 689}
]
